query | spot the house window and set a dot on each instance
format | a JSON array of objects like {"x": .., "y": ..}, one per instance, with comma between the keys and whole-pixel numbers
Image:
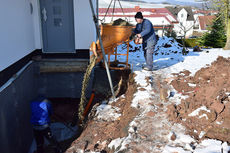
[
  {"x": 57, "y": 22},
  {"x": 182, "y": 15}
]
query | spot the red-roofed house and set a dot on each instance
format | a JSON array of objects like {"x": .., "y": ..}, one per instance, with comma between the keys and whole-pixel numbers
[
  {"x": 205, "y": 12},
  {"x": 205, "y": 22},
  {"x": 161, "y": 18},
  {"x": 198, "y": 13}
]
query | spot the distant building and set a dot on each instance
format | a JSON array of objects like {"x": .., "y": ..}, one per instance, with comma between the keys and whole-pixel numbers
[
  {"x": 161, "y": 18},
  {"x": 198, "y": 18},
  {"x": 185, "y": 18},
  {"x": 205, "y": 22}
]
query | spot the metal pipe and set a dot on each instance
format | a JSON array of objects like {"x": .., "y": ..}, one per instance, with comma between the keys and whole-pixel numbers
[
  {"x": 97, "y": 11},
  {"x": 102, "y": 48}
]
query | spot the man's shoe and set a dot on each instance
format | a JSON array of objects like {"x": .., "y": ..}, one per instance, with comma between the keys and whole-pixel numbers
[{"x": 147, "y": 69}]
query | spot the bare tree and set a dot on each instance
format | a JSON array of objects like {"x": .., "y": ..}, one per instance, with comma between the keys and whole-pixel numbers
[{"x": 184, "y": 28}]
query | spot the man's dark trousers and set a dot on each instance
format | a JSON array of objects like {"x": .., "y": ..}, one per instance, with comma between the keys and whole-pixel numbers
[{"x": 45, "y": 133}]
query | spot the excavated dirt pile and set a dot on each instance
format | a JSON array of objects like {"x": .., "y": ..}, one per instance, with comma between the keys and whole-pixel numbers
[
  {"x": 99, "y": 132},
  {"x": 206, "y": 111}
]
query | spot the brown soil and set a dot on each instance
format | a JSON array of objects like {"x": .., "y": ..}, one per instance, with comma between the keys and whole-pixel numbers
[
  {"x": 98, "y": 134},
  {"x": 211, "y": 89}
]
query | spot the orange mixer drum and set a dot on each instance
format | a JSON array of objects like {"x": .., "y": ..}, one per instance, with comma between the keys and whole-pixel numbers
[{"x": 112, "y": 36}]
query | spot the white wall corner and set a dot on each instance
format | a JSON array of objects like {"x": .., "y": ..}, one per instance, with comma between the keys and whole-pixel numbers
[
  {"x": 85, "y": 32},
  {"x": 37, "y": 24}
]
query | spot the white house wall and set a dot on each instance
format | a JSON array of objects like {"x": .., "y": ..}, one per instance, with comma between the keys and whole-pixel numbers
[
  {"x": 85, "y": 32},
  {"x": 16, "y": 31},
  {"x": 188, "y": 27},
  {"x": 182, "y": 16},
  {"x": 159, "y": 21},
  {"x": 37, "y": 24},
  {"x": 183, "y": 24},
  {"x": 190, "y": 32},
  {"x": 196, "y": 19}
]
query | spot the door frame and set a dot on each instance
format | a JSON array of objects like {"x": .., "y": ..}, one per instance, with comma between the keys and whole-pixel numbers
[{"x": 42, "y": 35}]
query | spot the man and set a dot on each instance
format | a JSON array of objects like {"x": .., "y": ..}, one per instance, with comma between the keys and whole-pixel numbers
[
  {"x": 144, "y": 29},
  {"x": 40, "y": 111}
]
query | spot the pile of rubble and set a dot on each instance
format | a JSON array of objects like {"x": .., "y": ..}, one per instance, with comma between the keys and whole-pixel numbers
[{"x": 206, "y": 110}]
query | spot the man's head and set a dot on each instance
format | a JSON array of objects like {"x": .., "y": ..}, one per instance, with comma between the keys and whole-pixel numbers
[{"x": 139, "y": 17}]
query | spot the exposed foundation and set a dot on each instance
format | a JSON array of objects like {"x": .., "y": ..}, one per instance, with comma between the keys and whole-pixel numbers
[
  {"x": 60, "y": 81},
  {"x": 31, "y": 80}
]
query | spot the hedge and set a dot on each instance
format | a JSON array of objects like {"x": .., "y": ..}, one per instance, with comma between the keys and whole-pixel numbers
[{"x": 189, "y": 42}]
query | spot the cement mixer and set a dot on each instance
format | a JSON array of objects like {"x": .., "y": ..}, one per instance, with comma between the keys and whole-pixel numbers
[{"x": 112, "y": 36}]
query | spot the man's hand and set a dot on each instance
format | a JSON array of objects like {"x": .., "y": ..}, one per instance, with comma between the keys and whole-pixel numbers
[
  {"x": 132, "y": 36},
  {"x": 138, "y": 35}
]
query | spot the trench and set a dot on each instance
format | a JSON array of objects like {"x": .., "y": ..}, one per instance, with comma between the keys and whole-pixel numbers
[
  {"x": 62, "y": 118},
  {"x": 66, "y": 109},
  {"x": 63, "y": 89}
]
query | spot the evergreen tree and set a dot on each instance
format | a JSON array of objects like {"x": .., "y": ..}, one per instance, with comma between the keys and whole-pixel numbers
[
  {"x": 223, "y": 6},
  {"x": 217, "y": 36}
]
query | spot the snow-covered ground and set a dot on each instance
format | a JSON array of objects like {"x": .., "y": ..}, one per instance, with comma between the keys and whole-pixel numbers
[{"x": 167, "y": 61}]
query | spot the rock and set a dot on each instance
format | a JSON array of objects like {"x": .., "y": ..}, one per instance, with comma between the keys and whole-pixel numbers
[
  {"x": 196, "y": 49},
  {"x": 173, "y": 137}
]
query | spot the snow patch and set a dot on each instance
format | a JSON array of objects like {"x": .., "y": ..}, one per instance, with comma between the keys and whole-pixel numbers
[
  {"x": 192, "y": 85},
  {"x": 107, "y": 112},
  {"x": 209, "y": 146},
  {"x": 219, "y": 123},
  {"x": 196, "y": 112},
  {"x": 202, "y": 133},
  {"x": 204, "y": 115}
]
